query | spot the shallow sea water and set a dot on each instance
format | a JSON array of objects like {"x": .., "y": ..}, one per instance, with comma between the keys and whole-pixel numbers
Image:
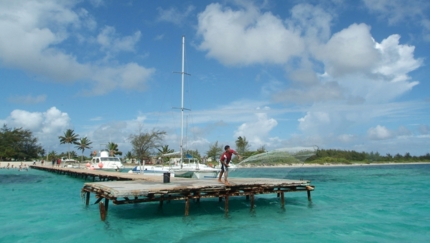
[{"x": 388, "y": 203}]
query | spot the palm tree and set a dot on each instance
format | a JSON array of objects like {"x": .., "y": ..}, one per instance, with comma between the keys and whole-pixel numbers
[
  {"x": 83, "y": 144},
  {"x": 242, "y": 145},
  {"x": 52, "y": 155},
  {"x": 113, "y": 149},
  {"x": 69, "y": 138},
  {"x": 73, "y": 154},
  {"x": 164, "y": 150},
  {"x": 129, "y": 156}
]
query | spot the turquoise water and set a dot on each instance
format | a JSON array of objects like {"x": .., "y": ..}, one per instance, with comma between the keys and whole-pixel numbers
[{"x": 387, "y": 203}]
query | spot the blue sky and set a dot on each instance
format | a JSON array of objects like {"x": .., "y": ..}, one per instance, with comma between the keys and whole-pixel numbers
[{"x": 338, "y": 74}]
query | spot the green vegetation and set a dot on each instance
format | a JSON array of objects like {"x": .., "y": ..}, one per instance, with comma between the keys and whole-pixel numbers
[
  {"x": 69, "y": 137},
  {"x": 334, "y": 156},
  {"x": 215, "y": 151},
  {"x": 113, "y": 149},
  {"x": 242, "y": 145},
  {"x": 18, "y": 144},
  {"x": 83, "y": 144},
  {"x": 144, "y": 143},
  {"x": 164, "y": 150}
]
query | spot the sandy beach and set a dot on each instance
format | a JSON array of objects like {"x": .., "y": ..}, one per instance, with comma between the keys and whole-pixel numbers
[{"x": 16, "y": 164}]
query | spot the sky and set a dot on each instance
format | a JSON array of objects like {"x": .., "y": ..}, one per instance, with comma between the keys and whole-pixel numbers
[{"x": 338, "y": 74}]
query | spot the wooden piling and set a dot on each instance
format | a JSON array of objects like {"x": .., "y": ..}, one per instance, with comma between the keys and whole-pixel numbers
[
  {"x": 252, "y": 201},
  {"x": 106, "y": 205},
  {"x": 160, "y": 205},
  {"x": 282, "y": 200},
  {"x": 87, "y": 199},
  {"x": 226, "y": 204},
  {"x": 124, "y": 188},
  {"x": 102, "y": 211},
  {"x": 309, "y": 189},
  {"x": 187, "y": 206}
]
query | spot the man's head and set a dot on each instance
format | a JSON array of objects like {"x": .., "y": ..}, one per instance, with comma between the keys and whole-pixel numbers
[{"x": 226, "y": 148}]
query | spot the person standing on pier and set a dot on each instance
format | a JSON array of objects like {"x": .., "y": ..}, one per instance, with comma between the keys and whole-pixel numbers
[{"x": 225, "y": 160}]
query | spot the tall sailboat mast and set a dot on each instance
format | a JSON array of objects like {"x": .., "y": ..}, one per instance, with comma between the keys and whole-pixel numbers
[
  {"x": 181, "y": 143},
  {"x": 182, "y": 101}
]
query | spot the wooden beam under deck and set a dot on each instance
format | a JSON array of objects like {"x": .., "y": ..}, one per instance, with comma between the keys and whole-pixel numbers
[
  {"x": 124, "y": 188},
  {"x": 130, "y": 192}
]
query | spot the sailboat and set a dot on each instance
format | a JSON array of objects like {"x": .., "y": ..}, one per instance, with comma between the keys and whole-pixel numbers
[{"x": 192, "y": 168}]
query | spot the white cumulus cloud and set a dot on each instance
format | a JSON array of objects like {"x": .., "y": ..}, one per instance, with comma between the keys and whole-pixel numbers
[
  {"x": 258, "y": 130},
  {"x": 246, "y": 36},
  {"x": 379, "y": 133},
  {"x": 349, "y": 51},
  {"x": 31, "y": 34}
]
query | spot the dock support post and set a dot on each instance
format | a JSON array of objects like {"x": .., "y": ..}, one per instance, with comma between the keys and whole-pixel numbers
[
  {"x": 106, "y": 204},
  {"x": 198, "y": 196},
  {"x": 309, "y": 189},
  {"x": 102, "y": 211},
  {"x": 98, "y": 200},
  {"x": 252, "y": 201},
  {"x": 226, "y": 204},
  {"x": 87, "y": 199},
  {"x": 282, "y": 200},
  {"x": 161, "y": 202},
  {"x": 187, "y": 206}
]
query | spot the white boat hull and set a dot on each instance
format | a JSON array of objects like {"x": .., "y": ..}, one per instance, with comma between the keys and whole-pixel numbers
[
  {"x": 152, "y": 170},
  {"x": 198, "y": 172}
]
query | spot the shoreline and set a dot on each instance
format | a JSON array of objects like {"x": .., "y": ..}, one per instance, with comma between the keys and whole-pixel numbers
[
  {"x": 310, "y": 165},
  {"x": 16, "y": 164}
]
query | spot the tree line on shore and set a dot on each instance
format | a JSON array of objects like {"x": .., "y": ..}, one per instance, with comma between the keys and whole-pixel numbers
[
  {"x": 20, "y": 144},
  {"x": 351, "y": 156}
]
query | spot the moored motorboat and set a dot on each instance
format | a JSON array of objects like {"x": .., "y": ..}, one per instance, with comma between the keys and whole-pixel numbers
[{"x": 105, "y": 162}]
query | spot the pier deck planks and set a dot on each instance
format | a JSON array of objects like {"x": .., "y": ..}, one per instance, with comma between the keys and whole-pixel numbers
[{"x": 124, "y": 188}]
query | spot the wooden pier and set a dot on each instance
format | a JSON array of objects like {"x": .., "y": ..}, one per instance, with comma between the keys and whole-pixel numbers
[
  {"x": 96, "y": 175},
  {"x": 123, "y": 188}
]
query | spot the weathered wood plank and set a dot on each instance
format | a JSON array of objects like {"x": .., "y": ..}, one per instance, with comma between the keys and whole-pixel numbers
[{"x": 124, "y": 188}]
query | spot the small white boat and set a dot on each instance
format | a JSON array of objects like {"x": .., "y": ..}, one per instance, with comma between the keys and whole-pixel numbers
[
  {"x": 105, "y": 162},
  {"x": 193, "y": 169},
  {"x": 152, "y": 170}
]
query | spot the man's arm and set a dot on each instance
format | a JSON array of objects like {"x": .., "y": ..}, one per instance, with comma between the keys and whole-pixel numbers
[{"x": 237, "y": 154}]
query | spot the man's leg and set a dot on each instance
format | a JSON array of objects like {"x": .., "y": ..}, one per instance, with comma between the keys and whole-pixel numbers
[
  {"x": 220, "y": 175},
  {"x": 225, "y": 177}
]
